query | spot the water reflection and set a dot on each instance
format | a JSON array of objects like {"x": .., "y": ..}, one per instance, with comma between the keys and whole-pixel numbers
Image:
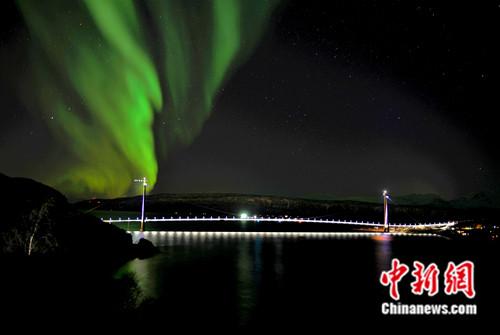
[
  {"x": 383, "y": 251},
  {"x": 278, "y": 259},
  {"x": 249, "y": 261},
  {"x": 244, "y": 279},
  {"x": 167, "y": 238},
  {"x": 248, "y": 278}
]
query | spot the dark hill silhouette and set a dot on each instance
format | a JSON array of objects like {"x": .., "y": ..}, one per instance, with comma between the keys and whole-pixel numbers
[
  {"x": 70, "y": 275},
  {"x": 38, "y": 220}
]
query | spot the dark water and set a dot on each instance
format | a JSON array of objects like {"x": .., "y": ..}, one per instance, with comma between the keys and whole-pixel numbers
[{"x": 255, "y": 282}]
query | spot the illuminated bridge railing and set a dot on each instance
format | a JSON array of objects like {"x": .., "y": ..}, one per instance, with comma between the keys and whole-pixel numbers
[{"x": 446, "y": 224}]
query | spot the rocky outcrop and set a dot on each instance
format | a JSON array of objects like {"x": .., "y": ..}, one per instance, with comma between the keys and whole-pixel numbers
[
  {"x": 38, "y": 220},
  {"x": 145, "y": 249}
]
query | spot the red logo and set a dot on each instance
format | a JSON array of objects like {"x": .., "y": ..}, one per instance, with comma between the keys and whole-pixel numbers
[
  {"x": 426, "y": 279},
  {"x": 460, "y": 278},
  {"x": 457, "y": 278},
  {"x": 393, "y": 277}
]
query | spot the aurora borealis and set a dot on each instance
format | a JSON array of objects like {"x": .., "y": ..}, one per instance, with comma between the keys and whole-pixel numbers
[
  {"x": 101, "y": 82},
  {"x": 284, "y": 97}
]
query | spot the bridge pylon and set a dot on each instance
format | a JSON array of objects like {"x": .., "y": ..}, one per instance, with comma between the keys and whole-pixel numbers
[
  {"x": 144, "y": 182},
  {"x": 385, "y": 194}
]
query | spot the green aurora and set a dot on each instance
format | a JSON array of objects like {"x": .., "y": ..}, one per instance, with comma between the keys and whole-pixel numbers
[{"x": 120, "y": 81}]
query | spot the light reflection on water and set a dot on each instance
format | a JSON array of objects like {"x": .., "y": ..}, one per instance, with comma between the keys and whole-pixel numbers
[
  {"x": 249, "y": 277},
  {"x": 166, "y": 238},
  {"x": 249, "y": 252},
  {"x": 383, "y": 251},
  {"x": 245, "y": 272}
]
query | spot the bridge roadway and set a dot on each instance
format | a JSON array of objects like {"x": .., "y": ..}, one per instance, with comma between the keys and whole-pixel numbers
[{"x": 435, "y": 225}]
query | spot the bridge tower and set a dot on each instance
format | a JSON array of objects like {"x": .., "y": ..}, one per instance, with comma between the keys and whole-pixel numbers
[
  {"x": 144, "y": 182},
  {"x": 386, "y": 211}
]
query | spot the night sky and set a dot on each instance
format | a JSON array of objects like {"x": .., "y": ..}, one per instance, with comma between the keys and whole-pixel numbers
[{"x": 314, "y": 100}]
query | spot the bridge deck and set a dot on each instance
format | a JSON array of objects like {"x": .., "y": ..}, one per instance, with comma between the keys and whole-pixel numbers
[{"x": 284, "y": 220}]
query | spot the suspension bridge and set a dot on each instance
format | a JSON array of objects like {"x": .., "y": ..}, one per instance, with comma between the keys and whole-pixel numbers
[
  {"x": 267, "y": 219},
  {"x": 430, "y": 225}
]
